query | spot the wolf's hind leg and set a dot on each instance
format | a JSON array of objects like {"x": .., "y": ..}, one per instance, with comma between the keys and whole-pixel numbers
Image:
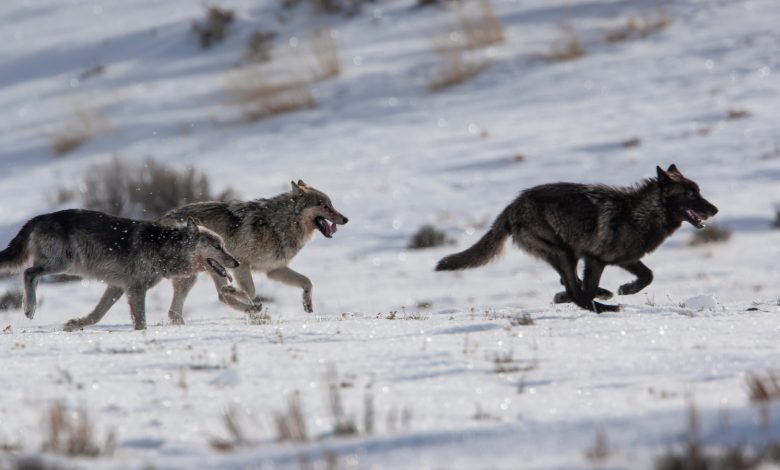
[
  {"x": 31, "y": 277},
  {"x": 644, "y": 276},
  {"x": 288, "y": 276},
  {"x": 110, "y": 296},
  {"x": 181, "y": 287}
]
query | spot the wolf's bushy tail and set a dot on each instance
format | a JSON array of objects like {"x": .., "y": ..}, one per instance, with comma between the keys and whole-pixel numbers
[
  {"x": 484, "y": 251},
  {"x": 17, "y": 253}
]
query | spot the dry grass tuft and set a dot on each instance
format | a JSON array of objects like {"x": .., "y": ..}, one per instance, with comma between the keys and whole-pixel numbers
[
  {"x": 259, "y": 46},
  {"x": 640, "y": 26},
  {"x": 567, "y": 47},
  {"x": 261, "y": 97},
  {"x": 82, "y": 126},
  {"x": 521, "y": 320},
  {"x": 235, "y": 431},
  {"x": 763, "y": 389},
  {"x": 454, "y": 66},
  {"x": 599, "y": 451},
  {"x": 73, "y": 433},
  {"x": 479, "y": 23},
  {"x": 710, "y": 234},
  {"x": 326, "y": 54},
  {"x": 291, "y": 423},
  {"x": 633, "y": 142},
  {"x": 738, "y": 114}
]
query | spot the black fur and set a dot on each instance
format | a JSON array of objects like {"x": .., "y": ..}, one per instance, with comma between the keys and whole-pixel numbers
[{"x": 563, "y": 223}]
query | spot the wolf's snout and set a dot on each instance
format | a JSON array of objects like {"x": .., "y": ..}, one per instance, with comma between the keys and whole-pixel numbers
[{"x": 345, "y": 220}]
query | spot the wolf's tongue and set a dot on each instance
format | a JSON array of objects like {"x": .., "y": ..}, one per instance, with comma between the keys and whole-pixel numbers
[{"x": 333, "y": 228}]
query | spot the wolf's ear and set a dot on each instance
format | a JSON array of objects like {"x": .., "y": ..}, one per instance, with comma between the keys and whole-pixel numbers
[
  {"x": 673, "y": 169},
  {"x": 663, "y": 177},
  {"x": 192, "y": 227},
  {"x": 299, "y": 187}
]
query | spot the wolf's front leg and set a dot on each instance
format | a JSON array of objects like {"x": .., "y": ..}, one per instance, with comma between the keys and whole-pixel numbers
[
  {"x": 136, "y": 297},
  {"x": 234, "y": 298},
  {"x": 288, "y": 276},
  {"x": 181, "y": 287},
  {"x": 644, "y": 276},
  {"x": 110, "y": 296}
]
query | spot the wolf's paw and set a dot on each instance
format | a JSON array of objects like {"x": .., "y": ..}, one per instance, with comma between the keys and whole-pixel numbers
[
  {"x": 599, "y": 307},
  {"x": 72, "y": 325},
  {"x": 308, "y": 307},
  {"x": 29, "y": 311},
  {"x": 561, "y": 298},
  {"x": 628, "y": 289},
  {"x": 228, "y": 290},
  {"x": 176, "y": 319},
  {"x": 254, "y": 308}
]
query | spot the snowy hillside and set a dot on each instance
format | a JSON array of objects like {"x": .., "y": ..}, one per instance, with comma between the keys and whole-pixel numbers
[{"x": 437, "y": 370}]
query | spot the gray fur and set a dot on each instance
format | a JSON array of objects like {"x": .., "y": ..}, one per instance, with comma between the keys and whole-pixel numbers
[
  {"x": 130, "y": 256},
  {"x": 562, "y": 223},
  {"x": 264, "y": 235}
]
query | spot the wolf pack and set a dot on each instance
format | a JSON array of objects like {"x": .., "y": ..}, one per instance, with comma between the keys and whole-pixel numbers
[{"x": 562, "y": 224}]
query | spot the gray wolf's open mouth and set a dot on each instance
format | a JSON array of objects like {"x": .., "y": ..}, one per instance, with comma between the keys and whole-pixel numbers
[
  {"x": 217, "y": 268},
  {"x": 695, "y": 219},
  {"x": 326, "y": 227}
]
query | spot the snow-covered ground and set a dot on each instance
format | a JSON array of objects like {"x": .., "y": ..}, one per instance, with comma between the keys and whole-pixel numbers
[{"x": 454, "y": 380}]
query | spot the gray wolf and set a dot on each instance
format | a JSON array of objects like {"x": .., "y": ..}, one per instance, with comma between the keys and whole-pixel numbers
[
  {"x": 264, "y": 235},
  {"x": 130, "y": 256},
  {"x": 562, "y": 223}
]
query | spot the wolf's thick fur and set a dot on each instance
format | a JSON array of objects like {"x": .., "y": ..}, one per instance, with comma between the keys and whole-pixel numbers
[
  {"x": 264, "y": 235},
  {"x": 129, "y": 255},
  {"x": 563, "y": 223}
]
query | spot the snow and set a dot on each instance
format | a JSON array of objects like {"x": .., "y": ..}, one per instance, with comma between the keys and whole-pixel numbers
[{"x": 458, "y": 383}]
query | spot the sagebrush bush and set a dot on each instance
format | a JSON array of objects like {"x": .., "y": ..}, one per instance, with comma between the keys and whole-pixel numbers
[
  {"x": 144, "y": 191},
  {"x": 428, "y": 236},
  {"x": 710, "y": 234},
  {"x": 215, "y": 27}
]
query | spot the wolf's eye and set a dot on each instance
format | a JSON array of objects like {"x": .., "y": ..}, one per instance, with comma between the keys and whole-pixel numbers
[{"x": 691, "y": 194}]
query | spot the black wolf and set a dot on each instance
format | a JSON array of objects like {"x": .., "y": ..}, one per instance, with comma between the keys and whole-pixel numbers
[
  {"x": 130, "y": 256},
  {"x": 563, "y": 223}
]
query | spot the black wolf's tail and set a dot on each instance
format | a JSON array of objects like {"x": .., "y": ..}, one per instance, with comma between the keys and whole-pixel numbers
[
  {"x": 17, "y": 253},
  {"x": 482, "y": 252}
]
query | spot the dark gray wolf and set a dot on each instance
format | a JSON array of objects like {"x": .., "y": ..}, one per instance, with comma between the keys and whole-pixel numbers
[
  {"x": 264, "y": 235},
  {"x": 562, "y": 223},
  {"x": 129, "y": 255}
]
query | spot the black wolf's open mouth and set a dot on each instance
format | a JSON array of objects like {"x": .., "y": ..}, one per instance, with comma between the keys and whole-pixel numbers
[
  {"x": 326, "y": 227},
  {"x": 695, "y": 219},
  {"x": 217, "y": 268}
]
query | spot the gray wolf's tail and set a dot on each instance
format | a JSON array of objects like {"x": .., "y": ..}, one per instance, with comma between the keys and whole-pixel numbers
[
  {"x": 17, "y": 253},
  {"x": 485, "y": 250}
]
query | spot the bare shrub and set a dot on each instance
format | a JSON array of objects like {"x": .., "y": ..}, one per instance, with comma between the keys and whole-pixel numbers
[
  {"x": 710, "y": 234},
  {"x": 454, "y": 66},
  {"x": 567, "y": 47},
  {"x": 260, "y": 46},
  {"x": 291, "y": 423},
  {"x": 428, "y": 236},
  {"x": 738, "y": 114},
  {"x": 261, "y": 96},
  {"x": 82, "y": 125},
  {"x": 73, "y": 433},
  {"x": 214, "y": 28},
  {"x": 326, "y": 54},
  {"x": 479, "y": 23},
  {"x": 322, "y": 7},
  {"x": 144, "y": 191},
  {"x": 640, "y": 26},
  {"x": 11, "y": 300}
]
